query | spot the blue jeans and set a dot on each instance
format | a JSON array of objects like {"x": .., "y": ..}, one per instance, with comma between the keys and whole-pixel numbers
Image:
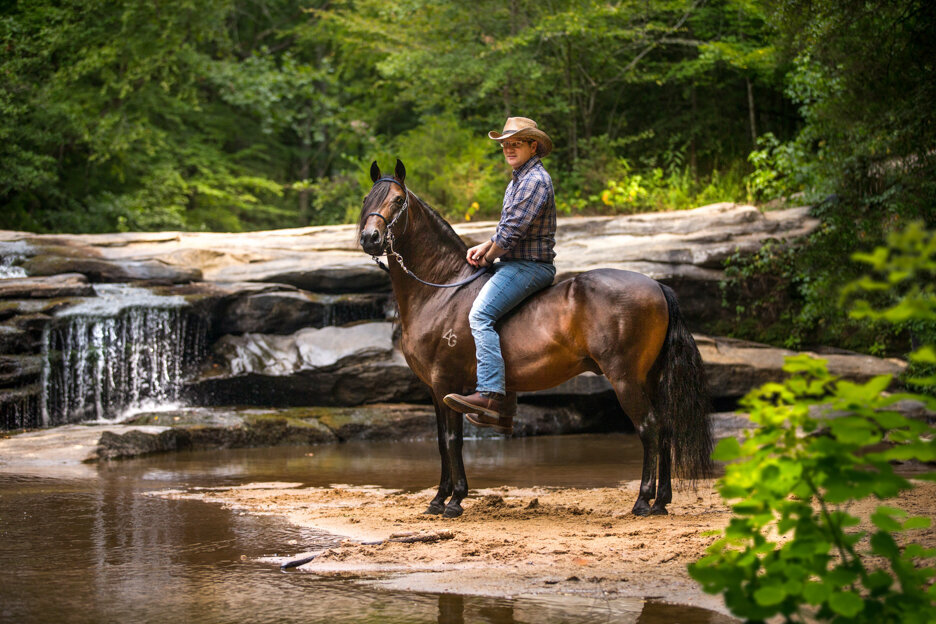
[{"x": 512, "y": 282}]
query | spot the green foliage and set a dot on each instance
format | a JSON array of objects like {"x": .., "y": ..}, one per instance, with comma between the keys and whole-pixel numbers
[
  {"x": 226, "y": 115},
  {"x": 453, "y": 167},
  {"x": 780, "y": 169},
  {"x": 791, "y": 548},
  {"x": 821, "y": 445},
  {"x": 901, "y": 293}
]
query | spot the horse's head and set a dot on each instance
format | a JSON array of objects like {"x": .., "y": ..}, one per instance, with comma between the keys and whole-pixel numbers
[{"x": 384, "y": 205}]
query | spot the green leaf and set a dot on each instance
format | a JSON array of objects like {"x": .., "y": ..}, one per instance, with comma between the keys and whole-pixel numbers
[
  {"x": 918, "y": 522},
  {"x": 770, "y": 595},
  {"x": 885, "y": 521},
  {"x": 846, "y": 603},
  {"x": 816, "y": 593},
  {"x": 883, "y": 544},
  {"x": 727, "y": 449}
]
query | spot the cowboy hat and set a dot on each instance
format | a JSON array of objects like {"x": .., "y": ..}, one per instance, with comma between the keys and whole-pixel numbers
[{"x": 523, "y": 128}]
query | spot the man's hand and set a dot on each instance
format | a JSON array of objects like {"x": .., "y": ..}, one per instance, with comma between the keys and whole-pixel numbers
[
  {"x": 476, "y": 254},
  {"x": 485, "y": 254}
]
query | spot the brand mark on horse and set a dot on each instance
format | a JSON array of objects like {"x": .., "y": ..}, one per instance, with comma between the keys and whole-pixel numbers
[{"x": 450, "y": 337}]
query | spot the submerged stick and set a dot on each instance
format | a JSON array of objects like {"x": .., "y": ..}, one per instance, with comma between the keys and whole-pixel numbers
[
  {"x": 298, "y": 562},
  {"x": 401, "y": 538}
]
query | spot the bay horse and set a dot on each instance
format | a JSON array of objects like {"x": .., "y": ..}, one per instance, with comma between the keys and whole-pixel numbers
[{"x": 621, "y": 324}]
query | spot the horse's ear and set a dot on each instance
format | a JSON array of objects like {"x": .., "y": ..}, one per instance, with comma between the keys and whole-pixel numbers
[
  {"x": 400, "y": 170},
  {"x": 374, "y": 172}
]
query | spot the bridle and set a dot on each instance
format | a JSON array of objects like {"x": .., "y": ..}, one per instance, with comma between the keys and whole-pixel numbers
[
  {"x": 390, "y": 238},
  {"x": 402, "y": 211}
]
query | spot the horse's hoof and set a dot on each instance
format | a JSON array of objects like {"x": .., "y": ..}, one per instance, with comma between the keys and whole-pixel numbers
[
  {"x": 452, "y": 511},
  {"x": 641, "y": 509},
  {"x": 435, "y": 509},
  {"x": 658, "y": 511}
]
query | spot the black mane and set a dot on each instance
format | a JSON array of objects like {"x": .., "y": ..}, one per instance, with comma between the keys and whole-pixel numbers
[{"x": 443, "y": 225}]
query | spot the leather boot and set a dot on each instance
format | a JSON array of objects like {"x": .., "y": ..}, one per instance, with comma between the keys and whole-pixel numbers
[
  {"x": 474, "y": 404},
  {"x": 483, "y": 411}
]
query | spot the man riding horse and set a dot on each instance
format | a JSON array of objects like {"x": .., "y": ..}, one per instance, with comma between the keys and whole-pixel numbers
[
  {"x": 620, "y": 324},
  {"x": 524, "y": 242}
]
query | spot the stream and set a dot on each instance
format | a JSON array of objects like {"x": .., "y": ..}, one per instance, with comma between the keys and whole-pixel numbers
[{"x": 96, "y": 548}]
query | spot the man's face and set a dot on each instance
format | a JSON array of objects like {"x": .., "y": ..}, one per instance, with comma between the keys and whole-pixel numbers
[{"x": 518, "y": 152}]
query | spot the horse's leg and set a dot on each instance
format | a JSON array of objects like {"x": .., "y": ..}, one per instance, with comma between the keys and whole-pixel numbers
[
  {"x": 455, "y": 436},
  {"x": 437, "y": 506},
  {"x": 637, "y": 406},
  {"x": 664, "y": 493}
]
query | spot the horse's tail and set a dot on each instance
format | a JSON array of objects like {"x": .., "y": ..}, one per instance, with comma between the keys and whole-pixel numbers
[{"x": 682, "y": 403}]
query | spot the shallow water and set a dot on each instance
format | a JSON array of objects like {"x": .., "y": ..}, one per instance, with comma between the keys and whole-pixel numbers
[{"x": 100, "y": 550}]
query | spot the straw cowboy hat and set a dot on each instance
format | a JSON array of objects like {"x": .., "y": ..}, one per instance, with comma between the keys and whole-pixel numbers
[{"x": 523, "y": 128}]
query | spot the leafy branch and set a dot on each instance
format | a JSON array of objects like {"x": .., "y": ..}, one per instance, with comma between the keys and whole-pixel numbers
[{"x": 820, "y": 446}]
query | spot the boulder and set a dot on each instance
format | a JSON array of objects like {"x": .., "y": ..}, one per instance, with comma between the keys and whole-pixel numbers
[
  {"x": 306, "y": 349},
  {"x": 359, "y": 364},
  {"x": 19, "y": 370},
  {"x": 14, "y": 340},
  {"x": 61, "y": 284},
  {"x": 103, "y": 270},
  {"x": 733, "y": 367},
  {"x": 287, "y": 311},
  {"x": 685, "y": 249}
]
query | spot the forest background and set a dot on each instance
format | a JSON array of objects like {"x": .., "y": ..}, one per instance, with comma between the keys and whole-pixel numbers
[{"x": 120, "y": 115}]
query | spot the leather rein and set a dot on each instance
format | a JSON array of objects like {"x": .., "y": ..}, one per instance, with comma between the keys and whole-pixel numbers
[{"x": 396, "y": 254}]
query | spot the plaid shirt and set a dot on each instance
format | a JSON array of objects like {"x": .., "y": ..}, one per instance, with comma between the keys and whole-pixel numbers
[{"x": 527, "y": 228}]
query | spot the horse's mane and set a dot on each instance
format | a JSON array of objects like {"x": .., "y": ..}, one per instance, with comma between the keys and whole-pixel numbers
[{"x": 442, "y": 224}]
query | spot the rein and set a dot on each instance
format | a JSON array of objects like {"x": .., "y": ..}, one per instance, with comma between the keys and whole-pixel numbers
[{"x": 396, "y": 254}]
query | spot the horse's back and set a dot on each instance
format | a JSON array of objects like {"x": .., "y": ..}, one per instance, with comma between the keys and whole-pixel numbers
[
  {"x": 598, "y": 292},
  {"x": 594, "y": 321}
]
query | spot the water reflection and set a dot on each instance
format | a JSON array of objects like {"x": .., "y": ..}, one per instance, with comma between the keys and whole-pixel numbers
[
  {"x": 557, "y": 461},
  {"x": 101, "y": 550}
]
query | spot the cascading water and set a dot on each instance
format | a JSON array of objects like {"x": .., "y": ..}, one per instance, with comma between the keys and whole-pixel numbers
[
  {"x": 11, "y": 255},
  {"x": 124, "y": 349}
]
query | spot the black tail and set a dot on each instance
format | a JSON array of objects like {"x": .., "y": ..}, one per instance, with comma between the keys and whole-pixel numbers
[{"x": 682, "y": 398}]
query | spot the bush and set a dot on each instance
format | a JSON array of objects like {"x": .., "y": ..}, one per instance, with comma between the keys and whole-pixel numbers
[{"x": 795, "y": 476}]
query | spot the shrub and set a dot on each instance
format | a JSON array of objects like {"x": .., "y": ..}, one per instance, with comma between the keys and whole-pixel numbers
[{"x": 821, "y": 445}]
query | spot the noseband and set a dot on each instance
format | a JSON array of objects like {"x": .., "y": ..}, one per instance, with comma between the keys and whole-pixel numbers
[{"x": 390, "y": 238}]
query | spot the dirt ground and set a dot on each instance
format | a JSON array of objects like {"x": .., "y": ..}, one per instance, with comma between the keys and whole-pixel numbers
[{"x": 511, "y": 541}]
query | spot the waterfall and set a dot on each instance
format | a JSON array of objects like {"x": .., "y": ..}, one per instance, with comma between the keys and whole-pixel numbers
[
  {"x": 125, "y": 349},
  {"x": 11, "y": 255}
]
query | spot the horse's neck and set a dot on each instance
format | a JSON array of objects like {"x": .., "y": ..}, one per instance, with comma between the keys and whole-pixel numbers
[{"x": 430, "y": 251}]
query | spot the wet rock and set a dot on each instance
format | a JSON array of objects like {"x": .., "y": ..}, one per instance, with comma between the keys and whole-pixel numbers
[
  {"x": 729, "y": 424},
  {"x": 14, "y": 340},
  {"x": 59, "y": 284},
  {"x": 284, "y": 312},
  {"x": 733, "y": 367},
  {"x": 330, "y": 366},
  {"x": 685, "y": 249},
  {"x": 104, "y": 270},
  {"x": 136, "y": 443},
  {"x": 380, "y": 422},
  {"x": 19, "y": 370},
  {"x": 306, "y": 349},
  {"x": 241, "y": 428},
  {"x": 324, "y": 272},
  {"x": 20, "y": 407},
  {"x": 375, "y": 381}
]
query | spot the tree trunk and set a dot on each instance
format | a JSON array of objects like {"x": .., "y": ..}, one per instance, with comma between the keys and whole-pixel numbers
[
  {"x": 305, "y": 159},
  {"x": 692, "y": 137},
  {"x": 750, "y": 103}
]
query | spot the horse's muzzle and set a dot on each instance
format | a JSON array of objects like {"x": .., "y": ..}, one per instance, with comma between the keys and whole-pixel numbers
[{"x": 372, "y": 242}]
